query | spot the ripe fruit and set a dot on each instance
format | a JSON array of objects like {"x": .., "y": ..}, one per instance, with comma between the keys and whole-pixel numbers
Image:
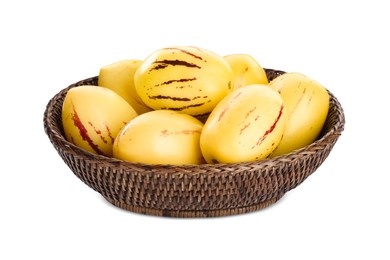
[
  {"x": 92, "y": 116},
  {"x": 195, "y": 106},
  {"x": 307, "y": 105},
  {"x": 188, "y": 79},
  {"x": 160, "y": 137},
  {"x": 247, "y": 125},
  {"x": 119, "y": 77},
  {"x": 246, "y": 69}
]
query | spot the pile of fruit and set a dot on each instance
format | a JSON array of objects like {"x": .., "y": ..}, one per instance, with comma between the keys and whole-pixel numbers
[{"x": 188, "y": 105}]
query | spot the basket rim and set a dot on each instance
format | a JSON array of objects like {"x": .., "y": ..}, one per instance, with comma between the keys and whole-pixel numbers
[{"x": 55, "y": 137}]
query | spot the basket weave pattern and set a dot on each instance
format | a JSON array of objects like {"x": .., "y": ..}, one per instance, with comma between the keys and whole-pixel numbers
[{"x": 206, "y": 190}]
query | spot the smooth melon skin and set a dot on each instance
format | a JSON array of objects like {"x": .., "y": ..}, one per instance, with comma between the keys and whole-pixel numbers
[
  {"x": 160, "y": 137},
  {"x": 307, "y": 106},
  {"x": 183, "y": 78},
  {"x": 247, "y": 125},
  {"x": 119, "y": 77},
  {"x": 246, "y": 70},
  {"x": 92, "y": 116}
]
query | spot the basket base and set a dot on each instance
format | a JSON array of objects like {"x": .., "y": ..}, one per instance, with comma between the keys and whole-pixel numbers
[{"x": 194, "y": 213}]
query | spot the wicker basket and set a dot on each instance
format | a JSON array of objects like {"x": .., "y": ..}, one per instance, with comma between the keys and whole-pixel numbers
[{"x": 206, "y": 190}]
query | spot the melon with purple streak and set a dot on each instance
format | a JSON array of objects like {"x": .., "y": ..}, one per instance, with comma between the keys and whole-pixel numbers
[{"x": 92, "y": 117}]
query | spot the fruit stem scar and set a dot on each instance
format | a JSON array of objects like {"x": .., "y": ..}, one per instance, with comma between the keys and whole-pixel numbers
[{"x": 83, "y": 132}]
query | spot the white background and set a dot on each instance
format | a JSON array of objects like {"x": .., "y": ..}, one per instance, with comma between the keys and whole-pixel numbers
[{"x": 340, "y": 212}]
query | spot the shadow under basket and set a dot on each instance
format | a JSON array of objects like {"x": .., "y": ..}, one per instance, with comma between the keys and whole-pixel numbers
[{"x": 206, "y": 190}]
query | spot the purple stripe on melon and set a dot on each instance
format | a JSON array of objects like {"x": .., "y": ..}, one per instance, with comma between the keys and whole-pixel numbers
[
  {"x": 98, "y": 132},
  {"x": 261, "y": 139},
  {"x": 176, "y": 98},
  {"x": 186, "y": 52},
  {"x": 165, "y": 63},
  {"x": 176, "y": 80},
  {"x": 84, "y": 133}
]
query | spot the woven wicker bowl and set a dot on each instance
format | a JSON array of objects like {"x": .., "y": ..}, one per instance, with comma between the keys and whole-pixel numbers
[{"x": 207, "y": 190}]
